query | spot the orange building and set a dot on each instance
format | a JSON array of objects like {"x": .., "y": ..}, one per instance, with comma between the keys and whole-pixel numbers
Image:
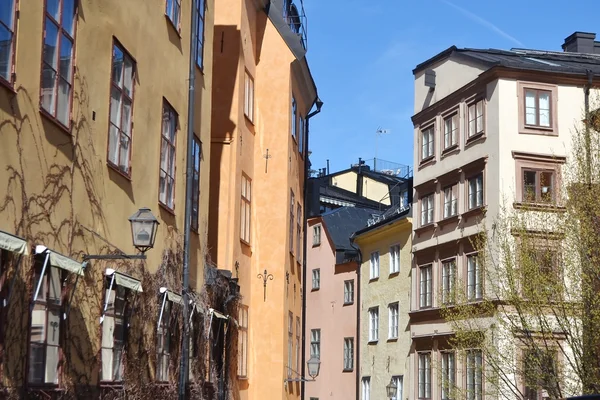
[{"x": 263, "y": 93}]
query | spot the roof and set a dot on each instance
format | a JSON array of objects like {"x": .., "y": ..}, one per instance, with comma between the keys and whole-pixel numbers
[
  {"x": 523, "y": 59},
  {"x": 350, "y": 197},
  {"x": 401, "y": 215},
  {"x": 342, "y": 222}
]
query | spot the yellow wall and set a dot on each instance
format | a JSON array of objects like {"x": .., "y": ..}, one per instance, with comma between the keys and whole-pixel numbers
[
  {"x": 371, "y": 189},
  {"x": 386, "y": 358},
  {"x": 246, "y": 39},
  {"x": 58, "y": 189}
]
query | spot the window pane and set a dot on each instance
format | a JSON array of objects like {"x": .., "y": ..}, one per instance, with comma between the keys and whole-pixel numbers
[
  {"x": 68, "y": 17},
  {"x": 124, "y": 153},
  {"x": 530, "y": 107},
  {"x": 107, "y": 364},
  {"x": 50, "y": 44},
  {"x": 546, "y": 186},
  {"x": 38, "y": 324},
  {"x": 544, "y": 101},
  {"x": 64, "y": 98},
  {"x": 52, "y": 8},
  {"x": 162, "y": 187},
  {"x": 5, "y": 52},
  {"x": 126, "y": 118},
  {"x": 66, "y": 57},
  {"x": 36, "y": 363},
  {"x": 128, "y": 77},
  {"x": 7, "y": 13},
  {"x": 55, "y": 287},
  {"x": 529, "y": 185},
  {"x": 52, "y": 364},
  {"x": 117, "y": 66}
]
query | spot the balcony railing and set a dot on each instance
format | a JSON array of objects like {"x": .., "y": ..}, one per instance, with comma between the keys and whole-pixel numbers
[{"x": 295, "y": 18}]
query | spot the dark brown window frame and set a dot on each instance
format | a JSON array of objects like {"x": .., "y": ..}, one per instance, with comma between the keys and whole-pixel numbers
[
  {"x": 542, "y": 163},
  {"x": 171, "y": 144},
  {"x": 454, "y": 187},
  {"x": 429, "y": 156},
  {"x": 473, "y": 103},
  {"x": 175, "y": 3},
  {"x": 480, "y": 281},
  {"x": 123, "y": 96},
  {"x": 52, "y": 116},
  {"x": 200, "y": 9},
  {"x": 429, "y": 293},
  {"x": 428, "y": 353},
  {"x": 9, "y": 83},
  {"x": 452, "y": 115},
  {"x": 524, "y": 128}
]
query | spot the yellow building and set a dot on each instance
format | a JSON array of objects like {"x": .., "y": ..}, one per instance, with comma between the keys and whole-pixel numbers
[
  {"x": 93, "y": 126},
  {"x": 384, "y": 302},
  {"x": 263, "y": 94}
]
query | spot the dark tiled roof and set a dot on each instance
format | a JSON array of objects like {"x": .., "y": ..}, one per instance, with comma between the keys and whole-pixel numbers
[
  {"x": 342, "y": 222},
  {"x": 404, "y": 214},
  {"x": 524, "y": 59}
]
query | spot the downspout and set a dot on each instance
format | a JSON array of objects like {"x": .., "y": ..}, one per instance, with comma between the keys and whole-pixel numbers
[
  {"x": 305, "y": 223},
  {"x": 357, "y": 349},
  {"x": 189, "y": 182}
]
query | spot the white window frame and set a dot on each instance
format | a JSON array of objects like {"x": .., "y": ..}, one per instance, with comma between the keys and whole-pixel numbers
[
  {"x": 426, "y": 286},
  {"x": 173, "y": 12},
  {"x": 316, "y": 279},
  {"x": 427, "y": 143},
  {"x": 290, "y": 362},
  {"x": 374, "y": 265},
  {"x": 317, "y": 235},
  {"x": 399, "y": 381},
  {"x": 427, "y": 209},
  {"x": 424, "y": 375},
  {"x": 348, "y": 354},
  {"x": 474, "y": 374},
  {"x": 315, "y": 343},
  {"x": 112, "y": 368},
  {"x": 448, "y": 374},
  {"x": 373, "y": 324},
  {"x": 451, "y": 200},
  {"x": 366, "y": 388},
  {"x": 246, "y": 209},
  {"x": 349, "y": 291},
  {"x": 474, "y": 278},
  {"x": 393, "y": 315},
  {"x": 394, "y": 259},
  {"x": 243, "y": 342},
  {"x": 475, "y": 118},
  {"x": 249, "y": 96},
  {"x": 448, "y": 280},
  {"x": 451, "y": 130},
  {"x": 476, "y": 191}
]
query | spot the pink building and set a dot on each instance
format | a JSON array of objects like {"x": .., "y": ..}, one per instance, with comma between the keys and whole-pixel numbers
[{"x": 331, "y": 313}]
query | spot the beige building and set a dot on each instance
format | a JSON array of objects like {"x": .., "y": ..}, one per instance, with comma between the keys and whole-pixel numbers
[
  {"x": 94, "y": 121},
  {"x": 384, "y": 302},
  {"x": 493, "y": 128},
  {"x": 262, "y": 100}
]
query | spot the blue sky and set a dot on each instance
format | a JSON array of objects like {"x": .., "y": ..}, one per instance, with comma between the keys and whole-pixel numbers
[{"x": 361, "y": 54}]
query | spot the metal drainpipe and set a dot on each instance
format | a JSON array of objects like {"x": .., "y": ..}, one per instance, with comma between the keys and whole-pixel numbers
[
  {"x": 357, "y": 348},
  {"x": 189, "y": 182},
  {"x": 305, "y": 195}
]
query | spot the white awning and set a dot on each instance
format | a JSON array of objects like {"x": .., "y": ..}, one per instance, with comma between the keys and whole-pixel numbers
[
  {"x": 174, "y": 297},
  {"x": 336, "y": 202},
  {"x": 218, "y": 314},
  {"x": 128, "y": 282},
  {"x": 13, "y": 243},
  {"x": 66, "y": 263}
]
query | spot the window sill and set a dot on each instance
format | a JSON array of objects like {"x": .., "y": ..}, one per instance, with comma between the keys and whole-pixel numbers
[
  {"x": 393, "y": 274},
  {"x": 166, "y": 208},
  {"x": 374, "y": 279},
  {"x": 119, "y": 170},
  {"x": 537, "y": 130},
  {"x": 392, "y": 339},
  {"x": 53, "y": 120},
  {"x": 348, "y": 370},
  {"x": 538, "y": 207},
  {"x": 177, "y": 30},
  {"x": 448, "y": 220},
  {"x": 450, "y": 150},
  {"x": 242, "y": 378},
  {"x": 316, "y": 244},
  {"x": 373, "y": 341},
  {"x": 245, "y": 243},
  {"x": 475, "y": 138},
  {"x": 427, "y": 161},
  {"x": 111, "y": 384},
  {"x": 248, "y": 120},
  {"x": 425, "y": 228},
  {"x": 315, "y": 289},
  {"x": 348, "y": 304},
  {"x": 474, "y": 212}
]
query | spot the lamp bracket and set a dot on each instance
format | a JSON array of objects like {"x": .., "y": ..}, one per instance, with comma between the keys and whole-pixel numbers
[{"x": 114, "y": 257}]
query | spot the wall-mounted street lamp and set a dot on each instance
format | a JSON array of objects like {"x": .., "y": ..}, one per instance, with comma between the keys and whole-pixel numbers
[
  {"x": 143, "y": 234},
  {"x": 314, "y": 365},
  {"x": 392, "y": 389}
]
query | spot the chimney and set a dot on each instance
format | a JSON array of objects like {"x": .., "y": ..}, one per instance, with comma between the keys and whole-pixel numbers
[{"x": 581, "y": 42}]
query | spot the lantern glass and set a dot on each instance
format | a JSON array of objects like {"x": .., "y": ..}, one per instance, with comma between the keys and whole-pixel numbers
[
  {"x": 143, "y": 229},
  {"x": 392, "y": 389},
  {"x": 314, "y": 364}
]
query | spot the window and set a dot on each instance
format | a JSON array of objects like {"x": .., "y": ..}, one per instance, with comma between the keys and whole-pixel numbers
[
  {"x": 537, "y": 107},
  {"x": 448, "y": 281},
  {"x": 399, "y": 381},
  {"x": 3, "y": 294},
  {"x": 474, "y": 278},
  {"x": 249, "y": 97},
  {"x": 243, "y": 342},
  {"x": 299, "y": 218},
  {"x": 366, "y": 388},
  {"x": 196, "y": 158},
  {"x": 165, "y": 337},
  {"x": 298, "y": 328},
  {"x": 374, "y": 265},
  {"x": 316, "y": 235},
  {"x": 294, "y": 118},
  {"x": 173, "y": 11},
  {"x": 292, "y": 204},
  {"x": 315, "y": 343},
  {"x": 121, "y": 110},
  {"x": 57, "y": 64},
  {"x": 167, "y": 157},
  {"x": 424, "y": 377},
  {"x": 349, "y": 291},
  {"x": 425, "y": 286},
  {"x": 450, "y": 131},
  {"x": 540, "y": 272},
  {"x": 316, "y": 279},
  {"x": 404, "y": 198},
  {"x": 301, "y": 134},
  {"x": 394, "y": 259},
  {"x": 200, "y": 9},
  {"x": 448, "y": 375},
  {"x": 451, "y": 201},
  {"x": 373, "y": 324},
  {"x": 427, "y": 209},
  {"x": 393, "y": 321},
  {"x": 540, "y": 372},
  {"x": 44, "y": 350},
  {"x": 348, "y": 354},
  {"x": 7, "y": 44},
  {"x": 427, "y": 142},
  {"x": 476, "y": 191},
  {"x": 246, "y": 209},
  {"x": 475, "y": 115},
  {"x": 474, "y": 375},
  {"x": 113, "y": 333},
  {"x": 290, "y": 343},
  {"x": 538, "y": 186}
]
